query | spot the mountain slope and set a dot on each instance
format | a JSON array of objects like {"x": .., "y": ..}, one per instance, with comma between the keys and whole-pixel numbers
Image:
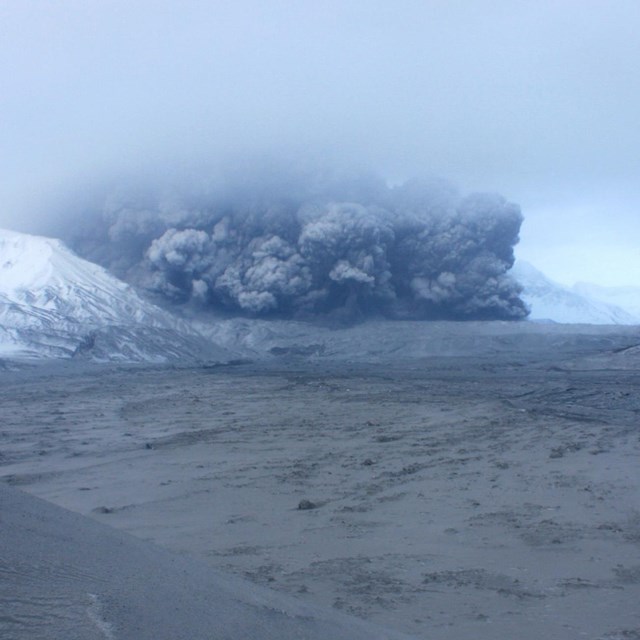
[
  {"x": 55, "y": 304},
  {"x": 627, "y": 298},
  {"x": 551, "y": 301}
]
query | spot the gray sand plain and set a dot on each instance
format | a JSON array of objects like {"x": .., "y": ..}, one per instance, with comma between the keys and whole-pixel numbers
[
  {"x": 67, "y": 577},
  {"x": 487, "y": 490}
]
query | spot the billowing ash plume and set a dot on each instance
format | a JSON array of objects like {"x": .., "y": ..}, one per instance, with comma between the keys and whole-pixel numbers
[{"x": 295, "y": 247}]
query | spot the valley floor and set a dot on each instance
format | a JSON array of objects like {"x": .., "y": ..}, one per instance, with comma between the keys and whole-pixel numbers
[{"x": 481, "y": 496}]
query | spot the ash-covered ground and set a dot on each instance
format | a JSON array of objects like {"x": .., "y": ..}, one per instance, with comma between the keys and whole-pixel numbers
[{"x": 486, "y": 490}]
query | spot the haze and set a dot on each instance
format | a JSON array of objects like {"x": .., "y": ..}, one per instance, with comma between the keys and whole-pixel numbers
[{"x": 537, "y": 101}]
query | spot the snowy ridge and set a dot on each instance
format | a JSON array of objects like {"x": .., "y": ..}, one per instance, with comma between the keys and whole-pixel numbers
[
  {"x": 553, "y": 302},
  {"x": 55, "y": 304}
]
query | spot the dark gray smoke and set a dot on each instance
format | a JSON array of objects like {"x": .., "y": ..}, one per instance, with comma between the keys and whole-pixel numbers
[{"x": 298, "y": 246}]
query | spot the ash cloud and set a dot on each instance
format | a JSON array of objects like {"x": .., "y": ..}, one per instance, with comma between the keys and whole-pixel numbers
[{"x": 298, "y": 244}]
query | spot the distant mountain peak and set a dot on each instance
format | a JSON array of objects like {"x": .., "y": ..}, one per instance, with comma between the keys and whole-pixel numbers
[{"x": 551, "y": 301}]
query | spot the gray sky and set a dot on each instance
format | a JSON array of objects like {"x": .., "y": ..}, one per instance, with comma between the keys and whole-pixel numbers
[{"x": 538, "y": 100}]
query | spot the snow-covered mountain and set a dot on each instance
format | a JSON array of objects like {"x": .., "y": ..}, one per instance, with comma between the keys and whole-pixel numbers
[
  {"x": 55, "y": 304},
  {"x": 553, "y": 302},
  {"x": 627, "y": 298}
]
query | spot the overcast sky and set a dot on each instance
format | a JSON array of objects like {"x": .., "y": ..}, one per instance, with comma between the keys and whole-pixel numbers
[{"x": 537, "y": 100}]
